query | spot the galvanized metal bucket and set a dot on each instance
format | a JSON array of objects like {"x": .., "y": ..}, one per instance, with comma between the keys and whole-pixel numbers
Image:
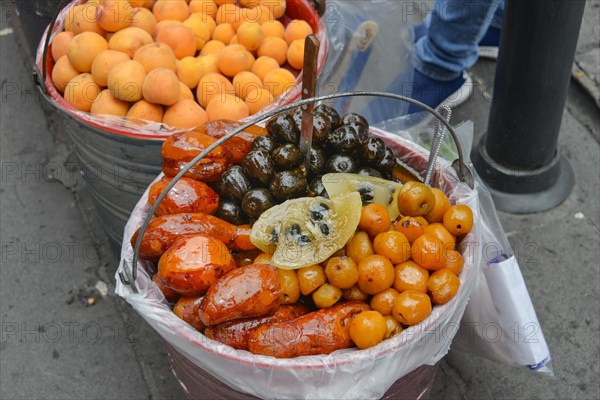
[{"x": 120, "y": 161}]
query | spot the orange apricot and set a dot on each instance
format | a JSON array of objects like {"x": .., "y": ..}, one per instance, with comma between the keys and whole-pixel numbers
[
  {"x": 185, "y": 114},
  {"x": 104, "y": 62},
  {"x": 295, "y": 54},
  {"x": 258, "y": 99},
  {"x": 81, "y": 91},
  {"x": 297, "y": 29},
  {"x": 115, "y": 15},
  {"x": 212, "y": 47},
  {"x": 275, "y": 48},
  {"x": 273, "y": 28},
  {"x": 106, "y": 104},
  {"x": 232, "y": 60},
  {"x": 62, "y": 73},
  {"x": 144, "y": 111},
  {"x": 179, "y": 38},
  {"x": 161, "y": 86},
  {"x": 156, "y": 55},
  {"x": 143, "y": 19},
  {"x": 223, "y": 33},
  {"x": 211, "y": 85},
  {"x": 177, "y": 10},
  {"x": 189, "y": 71},
  {"x": 129, "y": 40},
  {"x": 244, "y": 82},
  {"x": 60, "y": 44},
  {"x": 227, "y": 106},
  {"x": 264, "y": 65},
  {"x": 125, "y": 80},
  {"x": 83, "y": 48},
  {"x": 208, "y": 7},
  {"x": 250, "y": 35}
]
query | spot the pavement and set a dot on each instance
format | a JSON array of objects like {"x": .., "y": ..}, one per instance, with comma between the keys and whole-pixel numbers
[{"x": 65, "y": 335}]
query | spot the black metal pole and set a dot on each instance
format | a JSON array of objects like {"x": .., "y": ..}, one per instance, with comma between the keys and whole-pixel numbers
[{"x": 518, "y": 157}]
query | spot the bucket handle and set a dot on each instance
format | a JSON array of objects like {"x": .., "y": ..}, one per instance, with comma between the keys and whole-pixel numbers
[{"x": 128, "y": 273}]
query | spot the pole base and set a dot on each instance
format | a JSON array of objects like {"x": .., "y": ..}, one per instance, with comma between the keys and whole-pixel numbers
[{"x": 525, "y": 191}]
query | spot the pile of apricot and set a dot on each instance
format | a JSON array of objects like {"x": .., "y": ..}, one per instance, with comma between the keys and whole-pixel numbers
[
  {"x": 179, "y": 63},
  {"x": 401, "y": 268}
]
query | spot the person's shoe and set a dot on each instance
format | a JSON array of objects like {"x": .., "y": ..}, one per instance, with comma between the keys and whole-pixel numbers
[
  {"x": 488, "y": 45},
  {"x": 435, "y": 93}
]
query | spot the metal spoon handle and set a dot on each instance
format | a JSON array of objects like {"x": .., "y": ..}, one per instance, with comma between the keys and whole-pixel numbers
[{"x": 439, "y": 131}]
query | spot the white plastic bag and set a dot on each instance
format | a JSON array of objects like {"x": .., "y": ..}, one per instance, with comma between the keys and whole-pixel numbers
[{"x": 344, "y": 374}]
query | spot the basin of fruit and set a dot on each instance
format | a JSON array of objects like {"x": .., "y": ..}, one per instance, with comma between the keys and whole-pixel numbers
[
  {"x": 331, "y": 279},
  {"x": 151, "y": 67}
]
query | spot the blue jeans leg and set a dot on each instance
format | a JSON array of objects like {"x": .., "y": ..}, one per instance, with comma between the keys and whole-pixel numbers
[{"x": 451, "y": 44}]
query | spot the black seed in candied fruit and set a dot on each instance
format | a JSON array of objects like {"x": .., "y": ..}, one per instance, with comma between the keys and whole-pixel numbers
[
  {"x": 286, "y": 156},
  {"x": 368, "y": 171},
  {"x": 283, "y": 129},
  {"x": 231, "y": 212},
  {"x": 316, "y": 188},
  {"x": 341, "y": 163},
  {"x": 389, "y": 160},
  {"x": 288, "y": 185},
  {"x": 330, "y": 112},
  {"x": 234, "y": 183},
  {"x": 258, "y": 165},
  {"x": 264, "y": 143},
  {"x": 257, "y": 201},
  {"x": 372, "y": 151}
]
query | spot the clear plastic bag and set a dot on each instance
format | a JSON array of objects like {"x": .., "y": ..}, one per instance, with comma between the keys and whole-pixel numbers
[
  {"x": 344, "y": 374},
  {"x": 500, "y": 322},
  {"x": 371, "y": 43}
]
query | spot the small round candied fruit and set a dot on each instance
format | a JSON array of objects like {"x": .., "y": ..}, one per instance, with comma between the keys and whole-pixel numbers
[
  {"x": 411, "y": 227},
  {"x": 374, "y": 219},
  {"x": 290, "y": 286},
  {"x": 410, "y": 276},
  {"x": 411, "y": 307},
  {"x": 442, "y": 285},
  {"x": 458, "y": 219},
  {"x": 439, "y": 208},
  {"x": 342, "y": 272},
  {"x": 442, "y": 233},
  {"x": 367, "y": 329},
  {"x": 384, "y": 301},
  {"x": 393, "y": 326},
  {"x": 310, "y": 278},
  {"x": 393, "y": 245},
  {"x": 359, "y": 246},
  {"x": 375, "y": 274},
  {"x": 326, "y": 295},
  {"x": 354, "y": 294},
  {"x": 454, "y": 261},
  {"x": 415, "y": 198},
  {"x": 427, "y": 251}
]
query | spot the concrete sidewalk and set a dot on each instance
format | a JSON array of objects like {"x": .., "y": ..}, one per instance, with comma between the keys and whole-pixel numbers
[{"x": 64, "y": 334}]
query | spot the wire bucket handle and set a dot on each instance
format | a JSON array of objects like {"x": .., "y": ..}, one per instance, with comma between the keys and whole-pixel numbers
[{"x": 128, "y": 274}]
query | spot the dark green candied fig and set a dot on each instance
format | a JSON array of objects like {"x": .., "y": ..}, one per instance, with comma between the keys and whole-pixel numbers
[
  {"x": 321, "y": 126},
  {"x": 283, "y": 129},
  {"x": 354, "y": 117},
  {"x": 257, "y": 201},
  {"x": 286, "y": 156},
  {"x": 264, "y": 143},
  {"x": 231, "y": 212},
  {"x": 234, "y": 183},
  {"x": 372, "y": 151},
  {"x": 361, "y": 130},
  {"x": 288, "y": 185},
  {"x": 330, "y": 112},
  {"x": 368, "y": 171},
  {"x": 389, "y": 160},
  {"x": 258, "y": 164},
  {"x": 316, "y": 188},
  {"x": 344, "y": 139},
  {"x": 341, "y": 163},
  {"x": 317, "y": 161}
]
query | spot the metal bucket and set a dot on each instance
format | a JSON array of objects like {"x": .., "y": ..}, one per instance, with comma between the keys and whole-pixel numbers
[{"x": 119, "y": 162}]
